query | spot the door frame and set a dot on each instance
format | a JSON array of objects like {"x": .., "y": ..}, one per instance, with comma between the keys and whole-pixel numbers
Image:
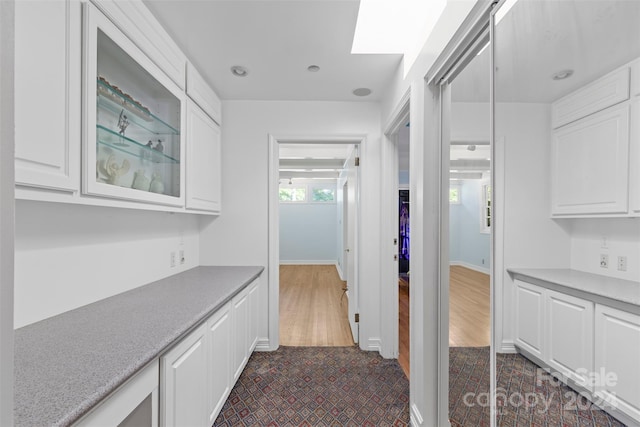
[{"x": 273, "y": 280}]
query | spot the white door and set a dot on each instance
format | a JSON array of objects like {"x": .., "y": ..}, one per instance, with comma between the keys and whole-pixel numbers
[
  {"x": 184, "y": 382},
  {"x": 351, "y": 249},
  {"x": 219, "y": 341},
  {"x": 569, "y": 336}
]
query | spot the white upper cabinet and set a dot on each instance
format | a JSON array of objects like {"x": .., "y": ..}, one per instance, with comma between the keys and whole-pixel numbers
[
  {"x": 589, "y": 164},
  {"x": 634, "y": 158},
  {"x": 204, "y": 175},
  {"x": 47, "y": 94},
  {"x": 202, "y": 94},
  {"x": 604, "y": 92},
  {"x": 133, "y": 120}
]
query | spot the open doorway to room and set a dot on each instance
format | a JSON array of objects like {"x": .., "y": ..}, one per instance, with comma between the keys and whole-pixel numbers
[
  {"x": 317, "y": 196},
  {"x": 404, "y": 253}
]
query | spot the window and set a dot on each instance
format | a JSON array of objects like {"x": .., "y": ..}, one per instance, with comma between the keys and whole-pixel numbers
[
  {"x": 323, "y": 195},
  {"x": 485, "y": 215},
  {"x": 454, "y": 194},
  {"x": 293, "y": 194}
]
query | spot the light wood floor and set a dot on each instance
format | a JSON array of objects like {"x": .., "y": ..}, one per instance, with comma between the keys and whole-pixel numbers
[
  {"x": 313, "y": 310},
  {"x": 469, "y": 322}
]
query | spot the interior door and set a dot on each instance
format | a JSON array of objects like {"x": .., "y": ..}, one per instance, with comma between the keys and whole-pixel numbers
[{"x": 351, "y": 250}]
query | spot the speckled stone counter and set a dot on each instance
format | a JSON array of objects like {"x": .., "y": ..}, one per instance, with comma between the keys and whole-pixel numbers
[
  {"x": 626, "y": 291},
  {"x": 66, "y": 364}
]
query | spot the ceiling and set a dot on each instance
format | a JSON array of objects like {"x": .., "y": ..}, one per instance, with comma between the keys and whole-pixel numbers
[
  {"x": 538, "y": 38},
  {"x": 276, "y": 40}
]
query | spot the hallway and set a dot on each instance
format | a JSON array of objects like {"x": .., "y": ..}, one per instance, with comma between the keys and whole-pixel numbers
[{"x": 313, "y": 307}]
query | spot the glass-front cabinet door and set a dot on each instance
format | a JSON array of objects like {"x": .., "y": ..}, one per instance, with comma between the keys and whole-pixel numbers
[{"x": 133, "y": 120}]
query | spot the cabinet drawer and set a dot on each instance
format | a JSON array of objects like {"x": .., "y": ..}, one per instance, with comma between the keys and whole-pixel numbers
[
  {"x": 590, "y": 164},
  {"x": 605, "y": 92}
]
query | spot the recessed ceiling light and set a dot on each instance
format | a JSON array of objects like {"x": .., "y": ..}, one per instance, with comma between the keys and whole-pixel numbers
[
  {"x": 313, "y": 68},
  {"x": 362, "y": 91},
  {"x": 239, "y": 71},
  {"x": 561, "y": 75}
]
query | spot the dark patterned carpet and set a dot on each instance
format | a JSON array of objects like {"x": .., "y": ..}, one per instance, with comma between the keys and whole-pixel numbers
[
  {"x": 526, "y": 396},
  {"x": 318, "y": 386}
]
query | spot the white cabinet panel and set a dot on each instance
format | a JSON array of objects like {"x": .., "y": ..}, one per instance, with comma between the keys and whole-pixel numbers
[
  {"x": 569, "y": 336},
  {"x": 202, "y": 94},
  {"x": 47, "y": 93},
  {"x": 635, "y": 78},
  {"x": 590, "y": 163},
  {"x": 219, "y": 342},
  {"x": 253, "y": 315},
  {"x": 204, "y": 175},
  {"x": 634, "y": 157},
  {"x": 184, "y": 382},
  {"x": 241, "y": 333},
  {"x": 529, "y": 318},
  {"x": 604, "y": 92},
  {"x": 617, "y": 353},
  {"x": 135, "y": 403}
]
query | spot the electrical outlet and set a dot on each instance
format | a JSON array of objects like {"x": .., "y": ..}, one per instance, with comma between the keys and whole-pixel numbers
[
  {"x": 172, "y": 260},
  {"x": 622, "y": 263},
  {"x": 181, "y": 256},
  {"x": 604, "y": 260}
]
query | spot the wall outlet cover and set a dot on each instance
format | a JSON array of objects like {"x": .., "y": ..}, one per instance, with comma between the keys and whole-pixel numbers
[{"x": 604, "y": 260}]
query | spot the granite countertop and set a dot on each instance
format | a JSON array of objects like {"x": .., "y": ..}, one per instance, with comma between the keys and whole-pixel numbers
[
  {"x": 627, "y": 291},
  {"x": 68, "y": 363}
]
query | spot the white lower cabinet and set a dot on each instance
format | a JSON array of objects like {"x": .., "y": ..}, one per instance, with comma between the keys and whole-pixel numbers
[
  {"x": 529, "y": 321},
  {"x": 617, "y": 359},
  {"x": 184, "y": 383},
  {"x": 569, "y": 337},
  {"x": 134, "y": 404},
  {"x": 219, "y": 345},
  {"x": 198, "y": 374}
]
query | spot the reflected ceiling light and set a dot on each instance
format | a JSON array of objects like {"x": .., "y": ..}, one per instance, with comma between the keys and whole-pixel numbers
[
  {"x": 313, "y": 68},
  {"x": 504, "y": 9},
  {"x": 561, "y": 75},
  {"x": 362, "y": 91},
  {"x": 239, "y": 71},
  {"x": 407, "y": 24}
]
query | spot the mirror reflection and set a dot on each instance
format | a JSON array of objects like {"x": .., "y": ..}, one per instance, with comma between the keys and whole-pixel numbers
[{"x": 567, "y": 114}]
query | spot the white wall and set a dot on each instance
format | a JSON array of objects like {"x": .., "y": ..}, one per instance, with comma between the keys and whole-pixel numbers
[
  {"x": 308, "y": 233},
  {"x": 240, "y": 235},
  {"x": 68, "y": 256},
  {"x": 622, "y": 237},
  {"x": 6, "y": 210},
  {"x": 468, "y": 246}
]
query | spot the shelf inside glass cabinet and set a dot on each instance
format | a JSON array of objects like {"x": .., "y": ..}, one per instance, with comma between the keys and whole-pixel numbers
[
  {"x": 125, "y": 144},
  {"x": 114, "y": 100}
]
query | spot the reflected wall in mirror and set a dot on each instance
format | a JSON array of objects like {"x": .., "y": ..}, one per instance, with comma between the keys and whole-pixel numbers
[
  {"x": 567, "y": 120},
  {"x": 469, "y": 245}
]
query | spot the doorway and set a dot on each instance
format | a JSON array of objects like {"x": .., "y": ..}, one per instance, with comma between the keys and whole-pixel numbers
[{"x": 313, "y": 198}]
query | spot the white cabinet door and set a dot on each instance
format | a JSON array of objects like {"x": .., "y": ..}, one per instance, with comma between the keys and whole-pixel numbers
[
  {"x": 529, "y": 318},
  {"x": 219, "y": 342},
  {"x": 590, "y": 163},
  {"x": 569, "y": 336},
  {"x": 634, "y": 153},
  {"x": 617, "y": 354},
  {"x": 241, "y": 332},
  {"x": 204, "y": 176},
  {"x": 184, "y": 382},
  {"x": 47, "y": 93},
  {"x": 253, "y": 315}
]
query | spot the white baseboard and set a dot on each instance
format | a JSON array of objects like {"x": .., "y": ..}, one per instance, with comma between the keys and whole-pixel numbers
[
  {"x": 263, "y": 344},
  {"x": 471, "y": 266},
  {"x": 374, "y": 344},
  {"x": 308, "y": 262},
  {"x": 507, "y": 346}
]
